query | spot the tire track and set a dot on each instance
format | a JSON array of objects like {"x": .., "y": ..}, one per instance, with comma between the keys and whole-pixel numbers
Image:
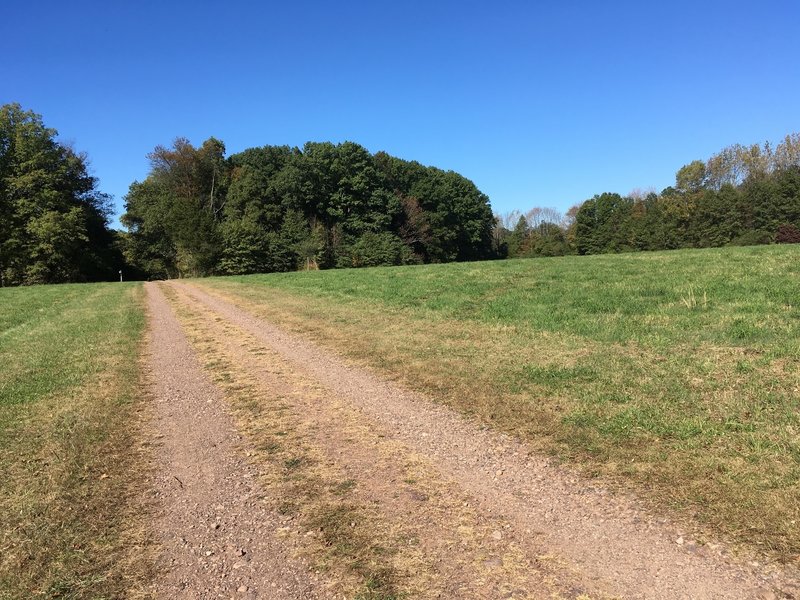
[
  {"x": 216, "y": 536},
  {"x": 617, "y": 547},
  {"x": 435, "y": 543}
]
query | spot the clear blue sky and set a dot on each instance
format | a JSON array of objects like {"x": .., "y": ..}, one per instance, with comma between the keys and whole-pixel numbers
[{"x": 539, "y": 103}]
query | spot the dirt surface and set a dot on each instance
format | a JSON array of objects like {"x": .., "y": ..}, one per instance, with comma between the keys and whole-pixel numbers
[
  {"x": 437, "y": 543},
  {"x": 467, "y": 512},
  {"x": 217, "y": 539}
]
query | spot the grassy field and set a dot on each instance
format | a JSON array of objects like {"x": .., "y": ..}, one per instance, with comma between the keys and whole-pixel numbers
[
  {"x": 71, "y": 522},
  {"x": 674, "y": 373}
]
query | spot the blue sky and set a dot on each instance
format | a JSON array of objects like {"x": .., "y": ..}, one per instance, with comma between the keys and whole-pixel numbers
[{"x": 539, "y": 103}]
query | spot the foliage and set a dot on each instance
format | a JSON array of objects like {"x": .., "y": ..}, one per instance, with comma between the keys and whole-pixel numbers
[
  {"x": 173, "y": 216},
  {"x": 787, "y": 234},
  {"x": 539, "y": 232},
  {"x": 741, "y": 197},
  {"x": 374, "y": 250},
  {"x": 53, "y": 220},
  {"x": 277, "y": 208}
]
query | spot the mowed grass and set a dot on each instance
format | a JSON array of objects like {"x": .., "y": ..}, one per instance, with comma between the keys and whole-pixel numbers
[
  {"x": 674, "y": 373},
  {"x": 71, "y": 468}
]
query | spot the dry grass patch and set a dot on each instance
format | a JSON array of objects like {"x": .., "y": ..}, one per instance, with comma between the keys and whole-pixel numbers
[{"x": 73, "y": 488}]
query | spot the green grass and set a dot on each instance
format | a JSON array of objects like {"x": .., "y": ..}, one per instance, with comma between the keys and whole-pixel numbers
[
  {"x": 68, "y": 418},
  {"x": 752, "y": 294},
  {"x": 675, "y": 372}
]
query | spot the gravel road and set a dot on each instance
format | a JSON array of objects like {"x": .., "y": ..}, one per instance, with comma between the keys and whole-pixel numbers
[
  {"x": 602, "y": 544},
  {"x": 216, "y": 537}
]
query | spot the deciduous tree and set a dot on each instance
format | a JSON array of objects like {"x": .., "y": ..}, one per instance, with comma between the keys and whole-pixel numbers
[{"x": 53, "y": 219}]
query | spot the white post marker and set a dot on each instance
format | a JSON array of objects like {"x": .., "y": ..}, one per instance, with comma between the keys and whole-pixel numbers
[{"x": 120, "y": 275}]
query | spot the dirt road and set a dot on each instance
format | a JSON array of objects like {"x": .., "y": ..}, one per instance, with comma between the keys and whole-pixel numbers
[{"x": 286, "y": 473}]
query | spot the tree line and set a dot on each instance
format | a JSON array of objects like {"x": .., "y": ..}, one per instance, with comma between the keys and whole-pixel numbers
[
  {"x": 277, "y": 208},
  {"x": 743, "y": 195},
  {"x": 53, "y": 219},
  {"x": 198, "y": 212}
]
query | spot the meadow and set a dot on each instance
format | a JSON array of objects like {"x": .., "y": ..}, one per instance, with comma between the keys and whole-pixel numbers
[
  {"x": 673, "y": 374},
  {"x": 70, "y": 452}
]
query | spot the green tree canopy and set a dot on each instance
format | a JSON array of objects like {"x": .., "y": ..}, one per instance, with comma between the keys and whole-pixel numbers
[
  {"x": 743, "y": 195},
  {"x": 53, "y": 219},
  {"x": 277, "y": 208}
]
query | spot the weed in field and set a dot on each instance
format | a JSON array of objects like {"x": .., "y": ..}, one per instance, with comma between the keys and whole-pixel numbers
[{"x": 690, "y": 301}]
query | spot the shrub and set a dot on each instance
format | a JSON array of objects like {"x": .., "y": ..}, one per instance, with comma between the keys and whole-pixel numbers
[
  {"x": 374, "y": 250},
  {"x": 787, "y": 234},
  {"x": 752, "y": 238}
]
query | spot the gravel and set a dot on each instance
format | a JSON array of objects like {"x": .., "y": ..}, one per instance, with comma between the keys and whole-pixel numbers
[
  {"x": 216, "y": 536},
  {"x": 608, "y": 541}
]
